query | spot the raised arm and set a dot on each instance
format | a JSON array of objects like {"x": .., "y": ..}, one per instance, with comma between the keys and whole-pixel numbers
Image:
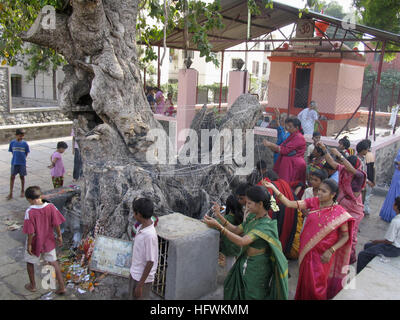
[
  {"x": 225, "y": 223},
  {"x": 301, "y": 204},
  {"x": 274, "y": 147},
  {"x": 349, "y": 167},
  {"x": 233, "y": 237},
  {"x": 278, "y": 117},
  {"x": 328, "y": 157}
]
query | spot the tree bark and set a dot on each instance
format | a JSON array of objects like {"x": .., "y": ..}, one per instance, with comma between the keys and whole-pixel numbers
[
  {"x": 102, "y": 91},
  {"x": 54, "y": 78}
]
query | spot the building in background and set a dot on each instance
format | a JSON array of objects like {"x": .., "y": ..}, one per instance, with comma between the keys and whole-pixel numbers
[
  {"x": 41, "y": 91},
  {"x": 258, "y": 66}
]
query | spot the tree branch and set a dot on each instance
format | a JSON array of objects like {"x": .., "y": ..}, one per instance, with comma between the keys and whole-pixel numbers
[{"x": 58, "y": 39}]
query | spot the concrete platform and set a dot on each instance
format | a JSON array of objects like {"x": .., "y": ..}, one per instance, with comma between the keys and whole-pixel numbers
[{"x": 379, "y": 280}]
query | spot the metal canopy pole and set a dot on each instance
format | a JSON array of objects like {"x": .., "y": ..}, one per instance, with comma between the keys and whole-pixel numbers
[
  {"x": 247, "y": 47},
  {"x": 395, "y": 123},
  {"x": 378, "y": 83},
  {"x": 370, "y": 108},
  {"x": 220, "y": 81},
  {"x": 247, "y": 36},
  {"x": 159, "y": 70}
]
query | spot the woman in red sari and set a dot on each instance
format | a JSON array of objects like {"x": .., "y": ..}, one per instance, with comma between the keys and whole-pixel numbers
[
  {"x": 291, "y": 165},
  {"x": 286, "y": 217},
  {"x": 325, "y": 243},
  {"x": 352, "y": 181}
]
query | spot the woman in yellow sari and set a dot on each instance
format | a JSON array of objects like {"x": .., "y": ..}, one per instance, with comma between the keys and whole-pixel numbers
[{"x": 261, "y": 270}]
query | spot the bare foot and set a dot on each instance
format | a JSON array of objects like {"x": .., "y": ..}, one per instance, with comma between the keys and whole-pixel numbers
[
  {"x": 9, "y": 197},
  {"x": 29, "y": 287},
  {"x": 60, "y": 291},
  {"x": 22, "y": 194}
]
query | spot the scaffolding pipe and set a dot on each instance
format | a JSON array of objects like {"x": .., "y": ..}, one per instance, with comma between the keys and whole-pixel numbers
[
  {"x": 370, "y": 108},
  {"x": 247, "y": 36},
  {"x": 378, "y": 83},
  {"x": 159, "y": 70},
  {"x": 220, "y": 83},
  {"x": 395, "y": 123}
]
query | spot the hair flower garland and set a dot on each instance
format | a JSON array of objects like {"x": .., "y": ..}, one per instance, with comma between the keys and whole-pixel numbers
[{"x": 274, "y": 206}]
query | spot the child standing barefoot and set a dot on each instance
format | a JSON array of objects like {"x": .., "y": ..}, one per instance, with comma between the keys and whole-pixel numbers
[
  {"x": 144, "y": 252},
  {"x": 39, "y": 223},
  {"x": 57, "y": 166},
  {"x": 20, "y": 149}
]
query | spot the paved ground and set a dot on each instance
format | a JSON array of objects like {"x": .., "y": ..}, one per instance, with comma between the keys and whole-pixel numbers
[{"x": 13, "y": 274}]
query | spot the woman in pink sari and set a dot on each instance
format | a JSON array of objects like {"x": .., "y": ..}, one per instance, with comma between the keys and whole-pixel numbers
[
  {"x": 290, "y": 165},
  {"x": 325, "y": 243},
  {"x": 352, "y": 181},
  {"x": 160, "y": 102}
]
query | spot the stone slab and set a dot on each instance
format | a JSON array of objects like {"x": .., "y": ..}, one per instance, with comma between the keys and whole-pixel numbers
[
  {"x": 377, "y": 281},
  {"x": 177, "y": 225},
  {"x": 192, "y": 260}
]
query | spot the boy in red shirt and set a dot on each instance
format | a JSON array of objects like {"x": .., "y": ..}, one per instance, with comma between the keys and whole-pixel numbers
[{"x": 40, "y": 220}]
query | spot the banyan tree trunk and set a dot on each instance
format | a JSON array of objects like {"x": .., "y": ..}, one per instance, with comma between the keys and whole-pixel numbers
[{"x": 103, "y": 93}]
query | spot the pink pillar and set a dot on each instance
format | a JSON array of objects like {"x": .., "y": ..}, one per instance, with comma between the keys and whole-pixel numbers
[
  {"x": 187, "y": 95},
  {"x": 237, "y": 85}
]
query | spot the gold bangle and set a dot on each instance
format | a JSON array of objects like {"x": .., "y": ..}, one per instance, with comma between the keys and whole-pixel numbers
[
  {"x": 279, "y": 195},
  {"x": 225, "y": 223},
  {"x": 222, "y": 231},
  {"x": 332, "y": 249}
]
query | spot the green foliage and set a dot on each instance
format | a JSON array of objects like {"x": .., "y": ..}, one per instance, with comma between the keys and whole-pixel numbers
[
  {"x": 41, "y": 59},
  {"x": 170, "y": 88},
  {"x": 389, "y": 79},
  {"x": 382, "y": 14},
  {"x": 254, "y": 8},
  {"x": 197, "y": 29},
  {"x": 335, "y": 9},
  {"x": 17, "y": 16}
]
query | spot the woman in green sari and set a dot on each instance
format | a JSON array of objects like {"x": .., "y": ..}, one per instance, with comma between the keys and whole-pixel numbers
[{"x": 261, "y": 270}]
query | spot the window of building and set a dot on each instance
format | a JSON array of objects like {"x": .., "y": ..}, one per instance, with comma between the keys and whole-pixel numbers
[
  {"x": 16, "y": 85},
  {"x": 255, "y": 68},
  {"x": 264, "y": 68},
  {"x": 267, "y": 46}
]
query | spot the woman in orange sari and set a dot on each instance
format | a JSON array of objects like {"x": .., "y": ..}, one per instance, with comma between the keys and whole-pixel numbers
[
  {"x": 285, "y": 217},
  {"x": 325, "y": 243}
]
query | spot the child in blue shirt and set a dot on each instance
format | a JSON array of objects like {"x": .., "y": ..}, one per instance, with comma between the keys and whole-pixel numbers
[{"x": 19, "y": 149}]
